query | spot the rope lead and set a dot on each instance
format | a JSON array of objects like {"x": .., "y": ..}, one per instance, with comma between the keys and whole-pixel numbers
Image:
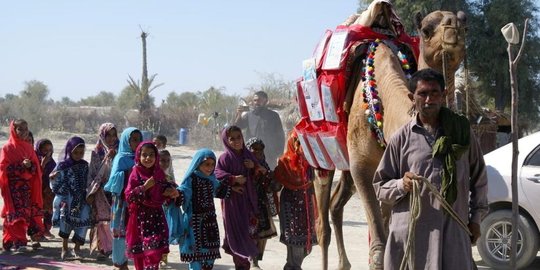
[{"x": 415, "y": 210}]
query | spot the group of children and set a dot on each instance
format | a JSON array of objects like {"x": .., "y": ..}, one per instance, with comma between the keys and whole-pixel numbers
[{"x": 128, "y": 198}]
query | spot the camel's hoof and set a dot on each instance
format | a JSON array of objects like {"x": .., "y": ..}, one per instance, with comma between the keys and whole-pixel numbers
[
  {"x": 377, "y": 260},
  {"x": 345, "y": 266}
]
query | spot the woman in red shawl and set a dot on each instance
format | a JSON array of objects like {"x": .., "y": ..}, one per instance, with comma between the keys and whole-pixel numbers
[
  {"x": 296, "y": 215},
  {"x": 147, "y": 234},
  {"x": 20, "y": 182}
]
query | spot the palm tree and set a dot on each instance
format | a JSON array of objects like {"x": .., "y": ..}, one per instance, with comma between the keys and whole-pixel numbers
[{"x": 144, "y": 87}]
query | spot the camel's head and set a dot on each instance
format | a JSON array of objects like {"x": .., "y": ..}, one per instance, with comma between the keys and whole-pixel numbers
[{"x": 442, "y": 31}]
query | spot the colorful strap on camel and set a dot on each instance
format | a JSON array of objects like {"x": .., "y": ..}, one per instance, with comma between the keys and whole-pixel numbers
[{"x": 372, "y": 104}]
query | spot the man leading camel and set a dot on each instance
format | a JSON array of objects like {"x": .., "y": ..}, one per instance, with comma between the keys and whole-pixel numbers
[{"x": 440, "y": 146}]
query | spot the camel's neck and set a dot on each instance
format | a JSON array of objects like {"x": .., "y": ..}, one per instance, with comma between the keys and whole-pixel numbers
[{"x": 392, "y": 87}]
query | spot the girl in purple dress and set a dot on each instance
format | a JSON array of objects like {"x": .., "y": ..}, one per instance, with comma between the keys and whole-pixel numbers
[{"x": 241, "y": 209}]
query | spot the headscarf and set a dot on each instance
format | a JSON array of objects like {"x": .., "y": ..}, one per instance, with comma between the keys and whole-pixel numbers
[
  {"x": 236, "y": 159},
  {"x": 122, "y": 163},
  {"x": 13, "y": 153},
  {"x": 200, "y": 156},
  {"x": 293, "y": 169},
  {"x": 155, "y": 170},
  {"x": 100, "y": 169},
  {"x": 101, "y": 147},
  {"x": 67, "y": 161},
  {"x": 255, "y": 140},
  {"x": 38, "y": 146},
  {"x": 16, "y": 150},
  {"x": 141, "y": 173},
  {"x": 50, "y": 165}
]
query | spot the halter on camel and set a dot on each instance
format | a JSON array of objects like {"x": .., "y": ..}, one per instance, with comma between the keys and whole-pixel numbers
[{"x": 448, "y": 42}]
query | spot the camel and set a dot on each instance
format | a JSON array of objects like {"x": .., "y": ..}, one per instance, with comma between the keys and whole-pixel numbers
[{"x": 441, "y": 40}]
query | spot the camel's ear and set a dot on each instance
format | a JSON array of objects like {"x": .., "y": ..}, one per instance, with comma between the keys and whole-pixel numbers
[
  {"x": 418, "y": 20},
  {"x": 462, "y": 17}
]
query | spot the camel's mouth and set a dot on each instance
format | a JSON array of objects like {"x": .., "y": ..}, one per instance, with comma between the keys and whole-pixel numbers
[
  {"x": 456, "y": 49},
  {"x": 439, "y": 58},
  {"x": 450, "y": 53},
  {"x": 450, "y": 36}
]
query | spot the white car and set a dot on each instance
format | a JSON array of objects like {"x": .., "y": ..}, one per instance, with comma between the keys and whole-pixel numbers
[{"x": 494, "y": 244}]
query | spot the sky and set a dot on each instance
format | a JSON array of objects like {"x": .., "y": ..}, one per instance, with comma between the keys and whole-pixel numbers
[{"x": 80, "y": 48}]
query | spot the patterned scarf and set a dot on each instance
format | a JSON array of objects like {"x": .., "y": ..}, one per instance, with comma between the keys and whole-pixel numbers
[{"x": 101, "y": 147}]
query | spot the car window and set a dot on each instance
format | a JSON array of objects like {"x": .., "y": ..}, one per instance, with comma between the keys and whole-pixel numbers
[{"x": 534, "y": 158}]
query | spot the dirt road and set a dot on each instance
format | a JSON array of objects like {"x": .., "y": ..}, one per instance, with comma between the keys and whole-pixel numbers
[{"x": 355, "y": 231}]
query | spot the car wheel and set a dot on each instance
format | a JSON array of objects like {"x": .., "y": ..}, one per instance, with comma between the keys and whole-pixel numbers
[{"x": 494, "y": 244}]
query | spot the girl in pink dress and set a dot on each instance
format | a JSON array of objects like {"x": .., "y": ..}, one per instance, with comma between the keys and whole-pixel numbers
[{"x": 147, "y": 234}]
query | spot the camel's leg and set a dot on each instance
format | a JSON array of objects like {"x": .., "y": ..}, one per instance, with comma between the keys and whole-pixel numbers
[
  {"x": 386, "y": 211},
  {"x": 341, "y": 195},
  {"x": 362, "y": 173},
  {"x": 323, "y": 185}
]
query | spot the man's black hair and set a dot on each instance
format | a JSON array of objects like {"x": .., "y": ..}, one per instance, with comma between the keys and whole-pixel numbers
[
  {"x": 19, "y": 122},
  {"x": 261, "y": 94},
  {"x": 428, "y": 75},
  {"x": 164, "y": 152},
  {"x": 162, "y": 138}
]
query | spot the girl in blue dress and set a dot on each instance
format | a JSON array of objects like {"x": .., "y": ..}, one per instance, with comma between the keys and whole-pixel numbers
[
  {"x": 200, "y": 245},
  {"x": 71, "y": 212},
  {"x": 123, "y": 162}
]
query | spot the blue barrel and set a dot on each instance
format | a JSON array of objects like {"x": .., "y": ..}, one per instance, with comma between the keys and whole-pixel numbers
[
  {"x": 183, "y": 136},
  {"x": 147, "y": 135}
]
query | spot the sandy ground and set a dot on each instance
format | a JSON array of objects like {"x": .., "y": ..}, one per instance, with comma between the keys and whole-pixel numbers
[{"x": 355, "y": 231}]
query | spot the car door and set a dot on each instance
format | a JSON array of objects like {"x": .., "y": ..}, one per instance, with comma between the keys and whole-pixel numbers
[{"x": 530, "y": 179}]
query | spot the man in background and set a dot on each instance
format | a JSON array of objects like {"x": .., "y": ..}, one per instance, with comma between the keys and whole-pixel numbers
[{"x": 263, "y": 123}]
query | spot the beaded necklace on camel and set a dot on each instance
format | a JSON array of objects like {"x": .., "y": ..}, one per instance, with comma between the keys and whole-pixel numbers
[{"x": 372, "y": 103}]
